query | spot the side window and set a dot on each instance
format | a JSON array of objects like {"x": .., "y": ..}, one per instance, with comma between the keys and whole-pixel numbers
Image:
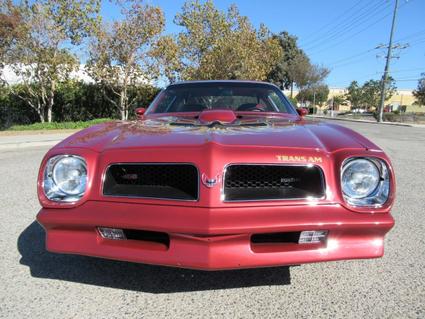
[
  {"x": 164, "y": 103},
  {"x": 277, "y": 101}
]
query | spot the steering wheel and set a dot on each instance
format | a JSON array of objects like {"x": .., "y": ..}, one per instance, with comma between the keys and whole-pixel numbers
[
  {"x": 258, "y": 108},
  {"x": 252, "y": 107}
]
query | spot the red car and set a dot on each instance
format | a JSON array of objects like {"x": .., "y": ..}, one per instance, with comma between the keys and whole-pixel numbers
[{"x": 217, "y": 175}]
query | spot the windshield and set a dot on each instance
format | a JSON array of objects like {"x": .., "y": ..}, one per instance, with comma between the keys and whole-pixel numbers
[{"x": 239, "y": 97}]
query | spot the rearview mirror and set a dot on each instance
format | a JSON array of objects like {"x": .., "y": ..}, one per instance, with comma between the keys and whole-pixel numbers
[
  {"x": 302, "y": 111},
  {"x": 140, "y": 111}
]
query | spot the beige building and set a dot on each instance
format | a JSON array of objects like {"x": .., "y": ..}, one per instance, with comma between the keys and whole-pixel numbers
[{"x": 402, "y": 97}]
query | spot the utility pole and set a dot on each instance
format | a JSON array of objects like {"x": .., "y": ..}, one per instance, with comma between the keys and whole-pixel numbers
[{"x": 387, "y": 65}]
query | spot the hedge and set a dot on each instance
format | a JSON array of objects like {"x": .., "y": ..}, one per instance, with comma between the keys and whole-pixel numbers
[{"x": 75, "y": 101}]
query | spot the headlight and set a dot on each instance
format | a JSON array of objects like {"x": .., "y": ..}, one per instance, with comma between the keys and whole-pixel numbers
[
  {"x": 65, "y": 178},
  {"x": 365, "y": 182}
]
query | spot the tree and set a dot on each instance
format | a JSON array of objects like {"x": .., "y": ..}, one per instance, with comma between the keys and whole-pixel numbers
[
  {"x": 314, "y": 94},
  {"x": 338, "y": 100},
  {"x": 316, "y": 74},
  {"x": 419, "y": 93},
  {"x": 10, "y": 31},
  {"x": 218, "y": 45},
  {"x": 167, "y": 53},
  {"x": 280, "y": 74},
  {"x": 304, "y": 74},
  {"x": 298, "y": 71},
  {"x": 41, "y": 57},
  {"x": 371, "y": 92},
  {"x": 122, "y": 55},
  {"x": 295, "y": 67},
  {"x": 354, "y": 94},
  {"x": 368, "y": 95}
]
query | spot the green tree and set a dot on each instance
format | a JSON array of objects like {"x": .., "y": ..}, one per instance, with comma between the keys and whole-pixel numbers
[
  {"x": 298, "y": 71},
  {"x": 122, "y": 55},
  {"x": 419, "y": 93},
  {"x": 338, "y": 100},
  {"x": 368, "y": 95},
  {"x": 371, "y": 92},
  {"x": 41, "y": 57},
  {"x": 354, "y": 94},
  {"x": 315, "y": 94},
  {"x": 218, "y": 45},
  {"x": 304, "y": 74},
  {"x": 280, "y": 74},
  {"x": 295, "y": 67}
]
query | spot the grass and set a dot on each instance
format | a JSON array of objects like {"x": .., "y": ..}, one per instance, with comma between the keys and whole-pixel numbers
[{"x": 57, "y": 125}]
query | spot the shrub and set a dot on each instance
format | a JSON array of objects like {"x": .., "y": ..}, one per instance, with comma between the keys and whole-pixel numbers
[{"x": 75, "y": 101}]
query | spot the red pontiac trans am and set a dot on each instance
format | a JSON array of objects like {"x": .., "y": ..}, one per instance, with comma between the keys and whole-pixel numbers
[{"x": 217, "y": 175}]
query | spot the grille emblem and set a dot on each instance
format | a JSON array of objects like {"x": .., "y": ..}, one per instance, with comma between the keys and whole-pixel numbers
[
  {"x": 210, "y": 182},
  {"x": 287, "y": 181}
]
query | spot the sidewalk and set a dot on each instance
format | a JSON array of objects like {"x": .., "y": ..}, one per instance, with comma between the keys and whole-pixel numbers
[
  {"x": 23, "y": 139},
  {"x": 365, "y": 121}
]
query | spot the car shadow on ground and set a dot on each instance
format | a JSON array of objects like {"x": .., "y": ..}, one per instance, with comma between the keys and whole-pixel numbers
[{"x": 133, "y": 276}]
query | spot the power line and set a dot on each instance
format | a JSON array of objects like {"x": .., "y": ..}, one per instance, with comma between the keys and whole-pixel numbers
[
  {"x": 377, "y": 73},
  {"x": 342, "y": 25},
  {"x": 351, "y": 57},
  {"x": 356, "y": 33},
  {"x": 396, "y": 71},
  {"x": 351, "y": 61},
  {"x": 347, "y": 26},
  {"x": 412, "y": 35},
  {"x": 407, "y": 80},
  {"x": 406, "y": 70},
  {"x": 419, "y": 41},
  {"x": 353, "y": 35},
  {"x": 333, "y": 21}
]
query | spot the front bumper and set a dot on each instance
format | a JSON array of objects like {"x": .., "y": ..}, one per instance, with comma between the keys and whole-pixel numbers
[{"x": 215, "y": 238}]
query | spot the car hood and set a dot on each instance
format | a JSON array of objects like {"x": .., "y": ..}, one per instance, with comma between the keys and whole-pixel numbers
[{"x": 171, "y": 131}]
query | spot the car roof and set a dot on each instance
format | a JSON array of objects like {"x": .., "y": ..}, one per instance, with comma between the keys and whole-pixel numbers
[{"x": 221, "y": 82}]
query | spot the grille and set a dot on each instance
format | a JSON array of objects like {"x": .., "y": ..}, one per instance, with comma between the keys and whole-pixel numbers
[
  {"x": 161, "y": 181},
  {"x": 272, "y": 182}
]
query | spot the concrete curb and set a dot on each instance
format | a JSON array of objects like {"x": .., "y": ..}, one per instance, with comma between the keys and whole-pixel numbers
[
  {"x": 365, "y": 121},
  {"x": 20, "y": 145}
]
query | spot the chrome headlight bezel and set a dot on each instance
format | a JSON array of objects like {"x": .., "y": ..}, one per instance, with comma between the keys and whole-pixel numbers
[
  {"x": 380, "y": 194},
  {"x": 52, "y": 190}
]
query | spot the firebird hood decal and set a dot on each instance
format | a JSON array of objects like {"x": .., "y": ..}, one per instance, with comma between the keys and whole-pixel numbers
[{"x": 176, "y": 131}]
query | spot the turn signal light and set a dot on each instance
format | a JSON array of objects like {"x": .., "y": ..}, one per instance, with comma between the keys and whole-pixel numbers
[{"x": 111, "y": 233}]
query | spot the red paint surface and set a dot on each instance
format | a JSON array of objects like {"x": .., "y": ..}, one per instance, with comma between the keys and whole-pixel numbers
[
  {"x": 209, "y": 233},
  {"x": 222, "y": 116}
]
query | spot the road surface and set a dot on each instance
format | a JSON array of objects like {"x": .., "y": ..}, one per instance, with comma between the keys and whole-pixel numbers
[{"x": 38, "y": 284}]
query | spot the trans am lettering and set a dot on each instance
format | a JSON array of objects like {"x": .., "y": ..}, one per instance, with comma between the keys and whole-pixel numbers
[{"x": 294, "y": 158}]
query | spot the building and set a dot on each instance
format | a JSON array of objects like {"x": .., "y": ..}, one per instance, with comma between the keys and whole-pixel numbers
[{"x": 402, "y": 97}]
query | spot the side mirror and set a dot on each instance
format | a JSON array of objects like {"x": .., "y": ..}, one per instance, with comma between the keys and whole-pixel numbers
[
  {"x": 140, "y": 111},
  {"x": 302, "y": 112}
]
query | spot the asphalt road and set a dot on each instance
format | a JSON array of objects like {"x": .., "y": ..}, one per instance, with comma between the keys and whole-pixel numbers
[{"x": 38, "y": 284}]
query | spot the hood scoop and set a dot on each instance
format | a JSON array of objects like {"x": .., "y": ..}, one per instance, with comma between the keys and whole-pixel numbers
[{"x": 208, "y": 117}]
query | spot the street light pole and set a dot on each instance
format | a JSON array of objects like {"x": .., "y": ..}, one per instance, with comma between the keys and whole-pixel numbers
[{"x": 387, "y": 65}]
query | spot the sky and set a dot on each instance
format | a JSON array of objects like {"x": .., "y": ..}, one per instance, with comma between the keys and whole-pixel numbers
[{"x": 339, "y": 34}]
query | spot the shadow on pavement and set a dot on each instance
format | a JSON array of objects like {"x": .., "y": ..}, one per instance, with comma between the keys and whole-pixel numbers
[{"x": 133, "y": 276}]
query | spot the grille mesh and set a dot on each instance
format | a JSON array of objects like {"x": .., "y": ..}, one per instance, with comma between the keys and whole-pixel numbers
[
  {"x": 267, "y": 182},
  {"x": 162, "y": 181}
]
